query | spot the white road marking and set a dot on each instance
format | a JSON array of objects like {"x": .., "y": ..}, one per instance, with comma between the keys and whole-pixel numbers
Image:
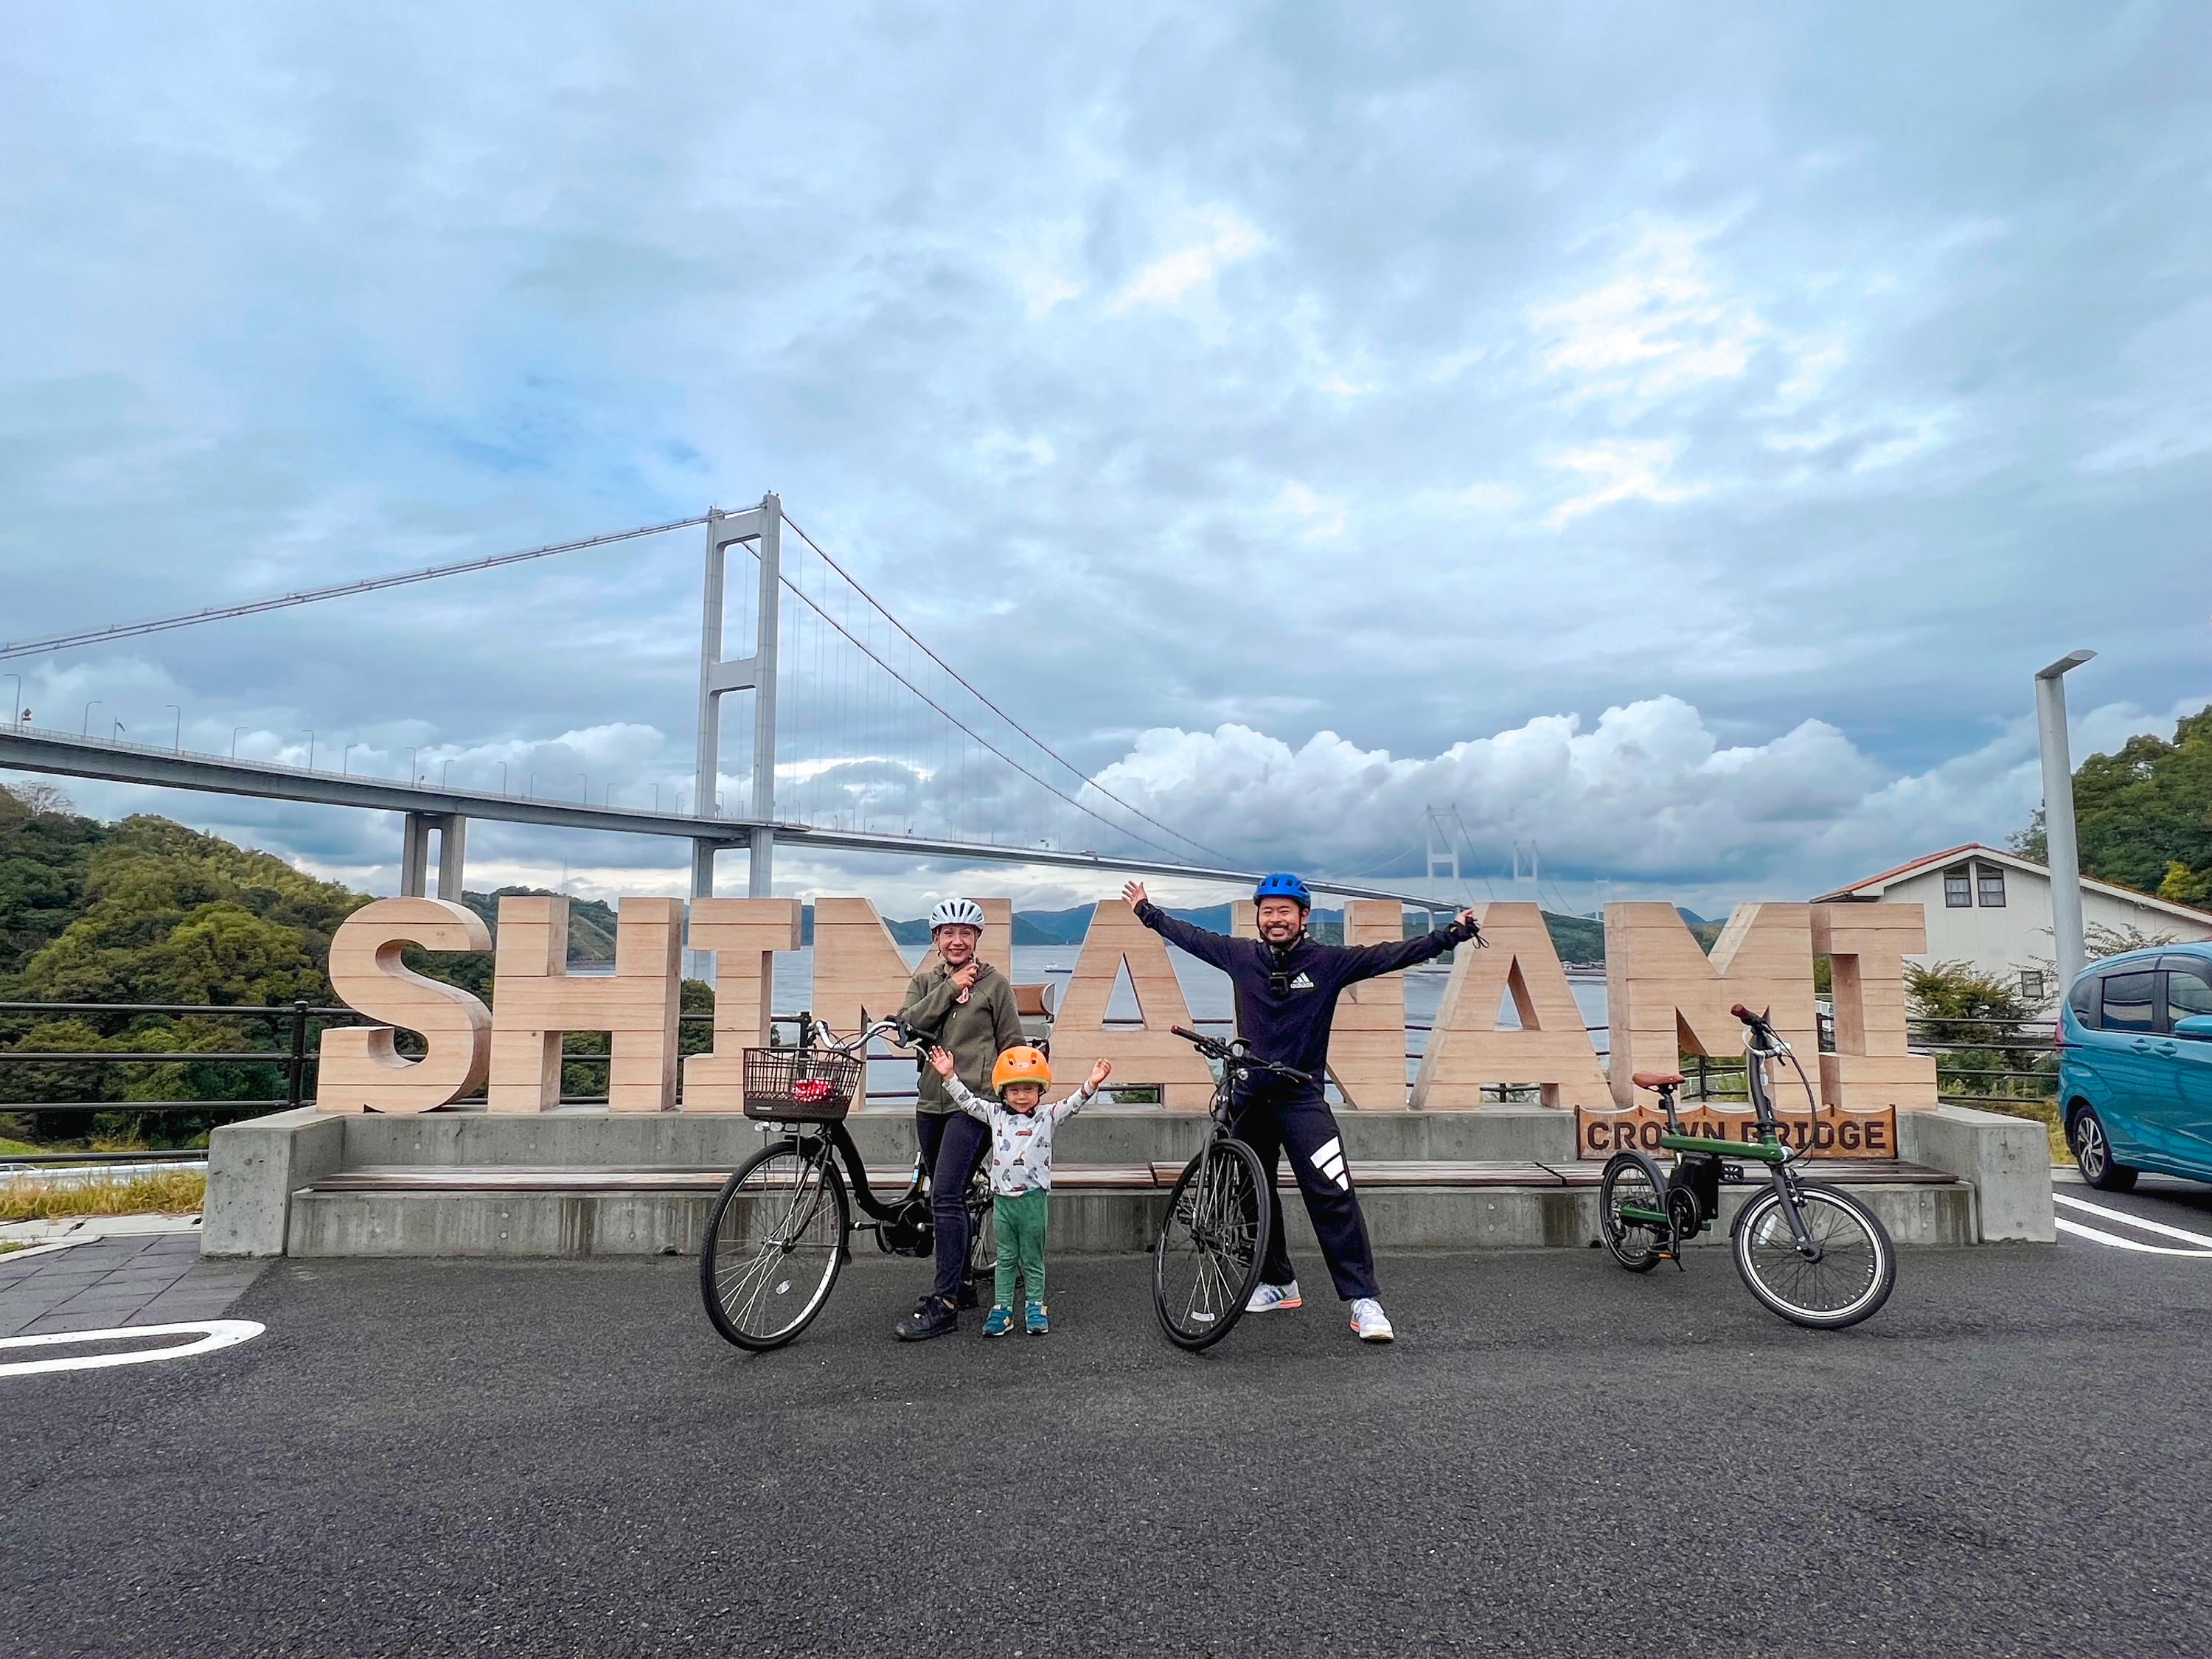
[
  {"x": 2118, "y": 1244},
  {"x": 212, "y": 1333},
  {"x": 2142, "y": 1223}
]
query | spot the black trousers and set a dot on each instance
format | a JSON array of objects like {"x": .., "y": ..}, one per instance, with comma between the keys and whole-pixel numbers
[
  {"x": 952, "y": 1145},
  {"x": 1306, "y": 1129}
]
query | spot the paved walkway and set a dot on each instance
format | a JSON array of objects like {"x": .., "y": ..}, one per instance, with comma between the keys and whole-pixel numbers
[
  {"x": 1557, "y": 1458},
  {"x": 145, "y": 1278}
]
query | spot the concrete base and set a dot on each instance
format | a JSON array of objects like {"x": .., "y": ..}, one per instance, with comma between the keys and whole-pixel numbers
[
  {"x": 419, "y": 1223},
  {"x": 262, "y": 1197}
]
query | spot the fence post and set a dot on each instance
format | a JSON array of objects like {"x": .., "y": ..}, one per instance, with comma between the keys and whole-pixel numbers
[{"x": 296, "y": 1071}]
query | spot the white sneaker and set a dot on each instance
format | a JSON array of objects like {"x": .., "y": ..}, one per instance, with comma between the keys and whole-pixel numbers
[
  {"x": 1369, "y": 1321},
  {"x": 1275, "y": 1298}
]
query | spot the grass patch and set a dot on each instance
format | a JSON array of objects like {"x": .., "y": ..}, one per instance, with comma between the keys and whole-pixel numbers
[
  {"x": 2044, "y": 1112},
  {"x": 10, "y": 1246},
  {"x": 163, "y": 1192},
  {"x": 17, "y": 1148}
]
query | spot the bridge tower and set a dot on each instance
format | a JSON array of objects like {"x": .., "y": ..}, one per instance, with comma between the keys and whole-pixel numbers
[{"x": 756, "y": 673}]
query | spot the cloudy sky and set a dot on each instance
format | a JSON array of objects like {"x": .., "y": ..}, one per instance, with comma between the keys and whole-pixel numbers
[{"x": 1670, "y": 435}]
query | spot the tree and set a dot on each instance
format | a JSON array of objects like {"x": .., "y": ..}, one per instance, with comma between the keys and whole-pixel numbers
[{"x": 2143, "y": 817}]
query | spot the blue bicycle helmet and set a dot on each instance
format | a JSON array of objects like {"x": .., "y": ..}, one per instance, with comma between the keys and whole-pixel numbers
[{"x": 1282, "y": 884}]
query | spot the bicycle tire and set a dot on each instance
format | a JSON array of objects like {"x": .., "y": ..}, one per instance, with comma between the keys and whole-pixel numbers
[
  {"x": 1632, "y": 1178},
  {"x": 982, "y": 1243},
  {"x": 787, "y": 1202},
  {"x": 1212, "y": 1245},
  {"x": 1854, "y": 1277}
]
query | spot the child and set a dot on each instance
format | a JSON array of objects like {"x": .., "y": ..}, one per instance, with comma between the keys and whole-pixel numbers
[{"x": 1021, "y": 1168}]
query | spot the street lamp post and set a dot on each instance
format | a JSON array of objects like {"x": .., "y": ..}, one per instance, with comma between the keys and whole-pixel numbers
[
  {"x": 179, "y": 745},
  {"x": 445, "y": 776},
  {"x": 88, "y": 707},
  {"x": 531, "y": 793},
  {"x": 502, "y": 777},
  {"x": 345, "y": 757},
  {"x": 584, "y": 788},
  {"x": 2061, "y": 854},
  {"x": 411, "y": 769},
  {"x": 310, "y": 730},
  {"x": 235, "y": 731}
]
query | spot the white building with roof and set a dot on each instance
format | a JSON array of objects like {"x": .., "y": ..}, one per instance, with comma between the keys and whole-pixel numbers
[{"x": 1992, "y": 909}]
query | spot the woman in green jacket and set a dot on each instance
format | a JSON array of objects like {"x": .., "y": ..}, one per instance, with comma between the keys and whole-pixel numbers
[{"x": 963, "y": 1004}]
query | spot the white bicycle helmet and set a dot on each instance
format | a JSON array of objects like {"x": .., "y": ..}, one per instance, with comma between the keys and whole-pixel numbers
[{"x": 956, "y": 912}]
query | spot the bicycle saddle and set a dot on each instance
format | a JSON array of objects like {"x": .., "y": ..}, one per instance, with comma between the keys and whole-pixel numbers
[{"x": 1655, "y": 1079}]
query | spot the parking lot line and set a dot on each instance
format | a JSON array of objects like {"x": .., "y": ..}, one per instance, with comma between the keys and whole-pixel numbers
[
  {"x": 2142, "y": 1223},
  {"x": 212, "y": 1333}
]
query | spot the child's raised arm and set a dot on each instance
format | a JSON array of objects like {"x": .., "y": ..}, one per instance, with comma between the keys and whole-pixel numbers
[
  {"x": 940, "y": 1062},
  {"x": 1082, "y": 1096}
]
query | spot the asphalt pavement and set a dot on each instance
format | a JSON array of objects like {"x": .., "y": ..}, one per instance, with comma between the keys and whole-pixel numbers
[{"x": 1556, "y": 1457}]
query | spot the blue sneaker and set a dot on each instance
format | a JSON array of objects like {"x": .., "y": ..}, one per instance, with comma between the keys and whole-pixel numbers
[
  {"x": 999, "y": 1321},
  {"x": 1036, "y": 1320}
]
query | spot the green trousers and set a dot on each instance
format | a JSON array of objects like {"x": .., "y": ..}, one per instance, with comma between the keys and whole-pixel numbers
[{"x": 1020, "y": 1225}]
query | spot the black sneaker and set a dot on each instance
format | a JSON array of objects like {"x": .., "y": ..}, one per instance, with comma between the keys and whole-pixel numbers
[
  {"x": 968, "y": 1296},
  {"x": 932, "y": 1316}
]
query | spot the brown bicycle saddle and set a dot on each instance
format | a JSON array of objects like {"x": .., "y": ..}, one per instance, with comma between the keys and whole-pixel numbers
[{"x": 1655, "y": 1079}]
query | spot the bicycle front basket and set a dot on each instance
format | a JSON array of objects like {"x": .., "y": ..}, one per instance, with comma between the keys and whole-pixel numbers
[{"x": 799, "y": 1085}]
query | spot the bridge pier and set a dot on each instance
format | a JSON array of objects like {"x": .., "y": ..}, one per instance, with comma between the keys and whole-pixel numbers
[{"x": 415, "y": 853}]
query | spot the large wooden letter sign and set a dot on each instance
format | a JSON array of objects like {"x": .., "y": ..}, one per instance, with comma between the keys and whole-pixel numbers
[
  {"x": 535, "y": 1001},
  {"x": 360, "y": 1070},
  {"x": 744, "y": 934},
  {"x": 1552, "y": 1049},
  {"x": 1151, "y": 1054}
]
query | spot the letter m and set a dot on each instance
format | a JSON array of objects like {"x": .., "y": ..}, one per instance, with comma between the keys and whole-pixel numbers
[{"x": 1665, "y": 998}]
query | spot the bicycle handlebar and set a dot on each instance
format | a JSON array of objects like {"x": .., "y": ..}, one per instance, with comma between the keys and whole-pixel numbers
[{"x": 1236, "y": 1056}]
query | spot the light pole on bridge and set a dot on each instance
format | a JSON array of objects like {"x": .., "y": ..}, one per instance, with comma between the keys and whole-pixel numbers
[
  {"x": 179, "y": 745},
  {"x": 88, "y": 707},
  {"x": 235, "y": 731},
  {"x": 310, "y": 730}
]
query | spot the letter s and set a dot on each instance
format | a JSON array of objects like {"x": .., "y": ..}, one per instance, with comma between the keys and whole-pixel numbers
[{"x": 360, "y": 1069}]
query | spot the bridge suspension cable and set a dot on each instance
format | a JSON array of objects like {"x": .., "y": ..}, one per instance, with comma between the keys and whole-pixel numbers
[
  {"x": 336, "y": 590},
  {"x": 957, "y": 723},
  {"x": 963, "y": 682}
]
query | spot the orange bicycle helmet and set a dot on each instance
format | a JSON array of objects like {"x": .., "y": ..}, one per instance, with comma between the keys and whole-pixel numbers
[{"x": 1022, "y": 1065}]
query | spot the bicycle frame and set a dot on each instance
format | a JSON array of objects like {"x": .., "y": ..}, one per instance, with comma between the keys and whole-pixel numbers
[{"x": 1769, "y": 1149}]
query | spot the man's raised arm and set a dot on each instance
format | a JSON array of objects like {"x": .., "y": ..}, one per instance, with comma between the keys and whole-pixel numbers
[
  {"x": 1217, "y": 949},
  {"x": 1370, "y": 961}
]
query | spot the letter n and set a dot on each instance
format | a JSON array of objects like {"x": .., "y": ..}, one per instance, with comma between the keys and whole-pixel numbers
[{"x": 1664, "y": 997}]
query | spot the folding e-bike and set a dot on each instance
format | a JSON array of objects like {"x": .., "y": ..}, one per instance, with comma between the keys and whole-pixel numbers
[
  {"x": 777, "y": 1236},
  {"x": 1809, "y": 1253}
]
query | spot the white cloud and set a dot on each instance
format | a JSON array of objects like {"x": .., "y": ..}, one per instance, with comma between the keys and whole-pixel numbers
[
  {"x": 1621, "y": 471},
  {"x": 1167, "y": 281}
]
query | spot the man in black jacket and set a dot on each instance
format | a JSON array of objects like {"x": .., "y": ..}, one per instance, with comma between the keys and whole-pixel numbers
[{"x": 1286, "y": 988}]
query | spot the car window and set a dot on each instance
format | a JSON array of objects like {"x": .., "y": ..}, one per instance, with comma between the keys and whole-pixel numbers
[
  {"x": 2130, "y": 1002},
  {"x": 2082, "y": 999},
  {"x": 2186, "y": 991}
]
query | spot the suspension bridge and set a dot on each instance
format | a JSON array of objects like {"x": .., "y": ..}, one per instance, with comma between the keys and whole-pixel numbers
[{"x": 861, "y": 738}]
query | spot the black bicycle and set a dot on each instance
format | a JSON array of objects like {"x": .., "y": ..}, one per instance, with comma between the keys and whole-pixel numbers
[
  {"x": 1811, "y": 1253},
  {"x": 1213, "y": 1240},
  {"x": 779, "y": 1232}
]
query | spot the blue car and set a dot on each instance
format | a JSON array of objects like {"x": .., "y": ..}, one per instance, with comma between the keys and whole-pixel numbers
[{"x": 2135, "y": 1066}]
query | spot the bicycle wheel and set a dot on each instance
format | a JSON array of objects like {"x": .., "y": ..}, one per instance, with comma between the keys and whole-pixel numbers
[
  {"x": 1853, "y": 1277},
  {"x": 982, "y": 1241},
  {"x": 1211, "y": 1245},
  {"x": 774, "y": 1244},
  {"x": 1633, "y": 1180}
]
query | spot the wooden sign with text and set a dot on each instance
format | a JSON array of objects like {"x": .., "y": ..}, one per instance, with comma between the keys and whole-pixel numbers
[{"x": 1833, "y": 1134}]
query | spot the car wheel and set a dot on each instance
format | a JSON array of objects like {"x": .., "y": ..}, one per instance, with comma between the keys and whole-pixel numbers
[{"x": 2093, "y": 1154}]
